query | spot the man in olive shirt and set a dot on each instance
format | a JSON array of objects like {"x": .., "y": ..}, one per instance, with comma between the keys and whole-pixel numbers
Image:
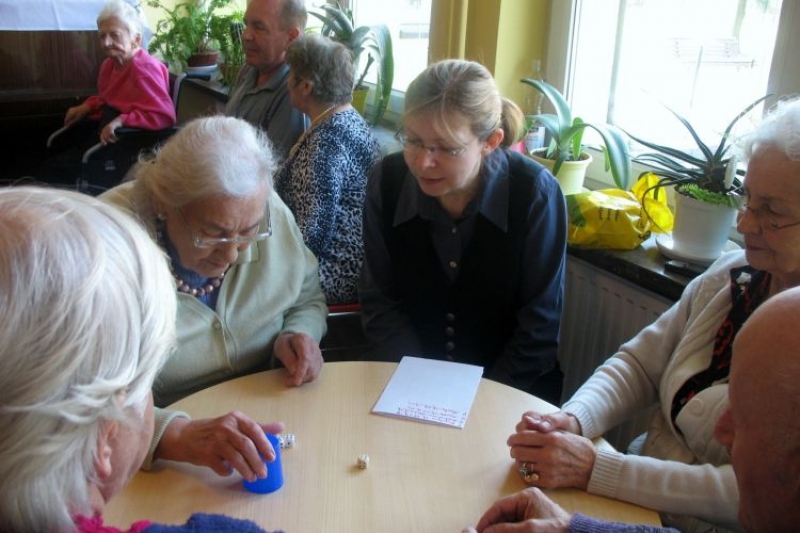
[{"x": 260, "y": 95}]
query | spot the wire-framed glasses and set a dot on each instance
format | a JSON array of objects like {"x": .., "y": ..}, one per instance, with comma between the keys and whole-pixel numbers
[
  {"x": 211, "y": 242},
  {"x": 415, "y": 146},
  {"x": 766, "y": 218}
]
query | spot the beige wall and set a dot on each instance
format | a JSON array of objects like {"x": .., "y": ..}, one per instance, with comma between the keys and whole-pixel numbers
[{"x": 504, "y": 35}]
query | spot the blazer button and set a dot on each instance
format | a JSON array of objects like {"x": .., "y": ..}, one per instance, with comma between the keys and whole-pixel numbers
[
  {"x": 449, "y": 331},
  {"x": 449, "y": 346},
  {"x": 450, "y": 317}
]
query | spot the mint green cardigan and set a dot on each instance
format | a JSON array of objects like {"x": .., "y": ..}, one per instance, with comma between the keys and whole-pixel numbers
[{"x": 272, "y": 288}]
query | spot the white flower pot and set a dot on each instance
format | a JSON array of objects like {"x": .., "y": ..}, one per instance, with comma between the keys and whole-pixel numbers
[
  {"x": 571, "y": 174},
  {"x": 701, "y": 229}
]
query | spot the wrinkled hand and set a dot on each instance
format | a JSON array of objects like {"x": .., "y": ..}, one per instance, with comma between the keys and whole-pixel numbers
[
  {"x": 76, "y": 114},
  {"x": 301, "y": 356},
  {"x": 527, "y": 511},
  {"x": 532, "y": 420},
  {"x": 230, "y": 442},
  {"x": 561, "y": 459},
  {"x": 107, "y": 134}
]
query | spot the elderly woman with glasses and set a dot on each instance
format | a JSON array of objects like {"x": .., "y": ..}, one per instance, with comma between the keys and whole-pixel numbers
[
  {"x": 679, "y": 365},
  {"x": 248, "y": 291},
  {"x": 464, "y": 239}
]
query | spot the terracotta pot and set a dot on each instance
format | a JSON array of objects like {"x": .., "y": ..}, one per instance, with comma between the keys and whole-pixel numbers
[
  {"x": 571, "y": 174},
  {"x": 203, "y": 60}
]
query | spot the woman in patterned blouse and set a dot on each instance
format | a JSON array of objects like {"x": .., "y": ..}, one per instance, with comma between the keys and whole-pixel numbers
[{"x": 323, "y": 180}]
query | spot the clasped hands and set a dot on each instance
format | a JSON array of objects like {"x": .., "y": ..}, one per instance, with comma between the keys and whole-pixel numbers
[{"x": 552, "y": 446}]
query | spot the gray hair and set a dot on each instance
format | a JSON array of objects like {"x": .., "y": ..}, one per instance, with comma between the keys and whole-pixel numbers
[
  {"x": 125, "y": 13},
  {"x": 294, "y": 15},
  {"x": 208, "y": 156},
  {"x": 87, "y": 317},
  {"x": 327, "y": 64},
  {"x": 780, "y": 129},
  {"x": 466, "y": 88}
]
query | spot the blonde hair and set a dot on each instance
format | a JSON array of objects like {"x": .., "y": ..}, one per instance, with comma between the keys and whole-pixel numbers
[
  {"x": 87, "y": 317},
  {"x": 466, "y": 88}
]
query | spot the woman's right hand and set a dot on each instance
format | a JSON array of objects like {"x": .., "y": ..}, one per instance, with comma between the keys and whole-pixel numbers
[
  {"x": 230, "y": 442},
  {"x": 76, "y": 114}
]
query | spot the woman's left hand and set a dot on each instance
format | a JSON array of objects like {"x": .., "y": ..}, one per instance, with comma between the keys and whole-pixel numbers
[
  {"x": 301, "y": 356},
  {"x": 558, "y": 458}
]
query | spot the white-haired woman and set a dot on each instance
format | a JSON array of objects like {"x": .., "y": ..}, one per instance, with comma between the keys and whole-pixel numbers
[
  {"x": 132, "y": 86},
  {"x": 679, "y": 365},
  {"x": 249, "y": 296},
  {"x": 132, "y": 91},
  {"x": 87, "y": 318}
]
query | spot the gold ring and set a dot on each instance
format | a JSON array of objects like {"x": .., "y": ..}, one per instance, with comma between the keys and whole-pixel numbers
[{"x": 531, "y": 477}]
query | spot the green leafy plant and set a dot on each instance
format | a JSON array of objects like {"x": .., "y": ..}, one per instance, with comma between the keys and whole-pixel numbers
[
  {"x": 187, "y": 29},
  {"x": 566, "y": 136},
  {"x": 375, "y": 41},
  {"x": 703, "y": 175},
  {"x": 226, "y": 30}
]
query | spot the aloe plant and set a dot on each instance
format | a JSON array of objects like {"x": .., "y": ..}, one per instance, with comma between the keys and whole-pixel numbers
[
  {"x": 701, "y": 176},
  {"x": 566, "y": 136},
  {"x": 376, "y": 41}
]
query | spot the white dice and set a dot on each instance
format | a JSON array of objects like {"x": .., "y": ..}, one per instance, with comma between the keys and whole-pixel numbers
[
  {"x": 363, "y": 461},
  {"x": 289, "y": 440}
]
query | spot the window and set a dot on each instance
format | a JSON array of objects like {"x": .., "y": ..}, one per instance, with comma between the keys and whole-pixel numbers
[
  {"x": 409, "y": 23},
  {"x": 623, "y": 61}
]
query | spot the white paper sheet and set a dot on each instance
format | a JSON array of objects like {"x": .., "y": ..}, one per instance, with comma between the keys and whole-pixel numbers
[{"x": 439, "y": 392}]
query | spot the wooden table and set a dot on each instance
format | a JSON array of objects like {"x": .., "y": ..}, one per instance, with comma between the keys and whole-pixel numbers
[{"x": 421, "y": 477}]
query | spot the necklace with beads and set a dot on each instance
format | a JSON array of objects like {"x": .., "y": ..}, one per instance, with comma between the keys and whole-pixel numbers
[
  {"x": 210, "y": 285},
  {"x": 319, "y": 118}
]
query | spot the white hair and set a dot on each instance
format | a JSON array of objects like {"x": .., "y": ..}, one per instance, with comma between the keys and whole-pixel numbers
[
  {"x": 780, "y": 129},
  {"x": 125, "y": 13},
  {"x": 87, "y": 317},
  {"x": 208, "y": 156}
]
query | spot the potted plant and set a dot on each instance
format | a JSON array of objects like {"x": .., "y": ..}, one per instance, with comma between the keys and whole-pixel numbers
[
  {"x": 375, "y": 41},
  {"x": 184, "y": 37},
  {"x": 226, "y": 30},
  {"x": 566, "y": 148},
  {"x": 705, "y": 184}
]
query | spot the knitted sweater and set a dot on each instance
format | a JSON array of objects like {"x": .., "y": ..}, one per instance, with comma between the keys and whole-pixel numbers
[{"x": 682, "y": 469}]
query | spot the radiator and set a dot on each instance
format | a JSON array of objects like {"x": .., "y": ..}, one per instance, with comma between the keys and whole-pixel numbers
[{"x": 601, "y": 311}]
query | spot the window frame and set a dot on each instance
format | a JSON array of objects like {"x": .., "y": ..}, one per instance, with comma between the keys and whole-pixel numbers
[{"x": 784, "y": 75}]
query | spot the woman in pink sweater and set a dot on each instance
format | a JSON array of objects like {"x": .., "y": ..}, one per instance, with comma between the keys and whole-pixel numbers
[{"x": 133, "y": 86}]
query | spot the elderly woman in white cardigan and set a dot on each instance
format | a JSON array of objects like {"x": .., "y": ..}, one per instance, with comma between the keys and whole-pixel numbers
[{"x": 679, "y": 364}]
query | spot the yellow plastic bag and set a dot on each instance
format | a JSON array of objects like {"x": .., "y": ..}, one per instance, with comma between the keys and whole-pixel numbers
[{"x": 613, "y": 218}]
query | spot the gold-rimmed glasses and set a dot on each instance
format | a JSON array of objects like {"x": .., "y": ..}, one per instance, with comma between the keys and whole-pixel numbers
[
  {"x": 415, "y": 146},
  {"x": 211, "y": 242}
]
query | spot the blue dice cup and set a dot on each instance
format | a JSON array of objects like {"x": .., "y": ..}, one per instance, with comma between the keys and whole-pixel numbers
[{"x": 274, "y": 479}]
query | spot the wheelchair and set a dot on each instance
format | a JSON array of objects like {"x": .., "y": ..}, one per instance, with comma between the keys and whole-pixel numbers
[{"x": 102, "y": 167}]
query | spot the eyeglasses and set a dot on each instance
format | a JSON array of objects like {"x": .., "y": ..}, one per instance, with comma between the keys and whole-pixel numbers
[
  {"x": 414, "y": 147},
  {"x": 767, "y": 219},
  {"x": 239, "y": 240}
]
